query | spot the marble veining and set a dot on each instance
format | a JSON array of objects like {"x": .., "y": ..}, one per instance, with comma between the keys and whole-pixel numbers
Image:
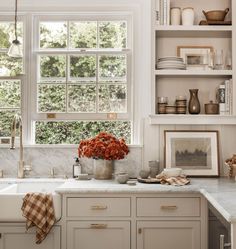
[
  {"x": 221, "y": 193},
  {"x": 62, "y": 159}
]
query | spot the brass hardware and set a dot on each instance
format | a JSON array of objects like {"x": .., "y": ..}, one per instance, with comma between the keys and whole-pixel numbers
[
  {"x": 169, "y": 207},
  {"x": 112, "y": 116},
  {"x": 5, "y": 141},
  {"x": 140, "y": 230},
  {"x": 98, "y": 226},
  {"x": 98, "y": 207},
  {"x": 51, "y": 115},
  {"x": 222, "y": 242}
]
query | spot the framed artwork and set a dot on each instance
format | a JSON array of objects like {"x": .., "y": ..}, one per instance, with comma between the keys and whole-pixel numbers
[
  {"x": 196, "y": 152},
  {"x": 195, "y": 57}
]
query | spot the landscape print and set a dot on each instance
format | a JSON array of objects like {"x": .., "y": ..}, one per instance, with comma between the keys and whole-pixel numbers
[{"x": 191, "y": 152}]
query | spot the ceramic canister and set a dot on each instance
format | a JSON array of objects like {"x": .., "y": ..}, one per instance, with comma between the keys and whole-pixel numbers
[
  {"x": 175, "y": 16},
  {"x": 188, "y": 16}
]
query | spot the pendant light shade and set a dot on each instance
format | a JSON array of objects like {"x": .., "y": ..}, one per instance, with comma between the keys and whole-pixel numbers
[{"x": 15, "y": 49}]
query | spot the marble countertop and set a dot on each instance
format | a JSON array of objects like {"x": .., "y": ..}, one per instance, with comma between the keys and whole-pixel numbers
[{"x": 221, "y": 192}]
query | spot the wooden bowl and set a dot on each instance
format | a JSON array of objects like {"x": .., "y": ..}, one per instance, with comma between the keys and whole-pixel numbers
[{"x": 216, "y": 15}]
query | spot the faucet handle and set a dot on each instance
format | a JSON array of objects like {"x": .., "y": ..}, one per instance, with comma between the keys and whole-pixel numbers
[
  {"x": 52, "y": 172},
  {"x": 27, "y": 167}
]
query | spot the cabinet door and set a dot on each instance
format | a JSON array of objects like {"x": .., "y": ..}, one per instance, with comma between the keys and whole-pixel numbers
[
  {"x": 168, "y": 234},
  {"x": 16, "y": 237},
  {"x": 98, "y": 234}
]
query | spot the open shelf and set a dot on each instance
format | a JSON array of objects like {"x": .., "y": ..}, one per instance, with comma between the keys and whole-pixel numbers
[
  {"x": 205, "y": 73},
  {"x": 178, "y": 119},
  {"x": 194, "y": 31}
]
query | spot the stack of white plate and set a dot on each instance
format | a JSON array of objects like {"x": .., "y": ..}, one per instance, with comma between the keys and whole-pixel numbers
[{"x": 171, "y": 62}]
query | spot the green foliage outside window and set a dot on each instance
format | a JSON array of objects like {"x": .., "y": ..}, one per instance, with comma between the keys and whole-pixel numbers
[
  {"x": 85, "y": 91},
  {"x": 73, "y": 132}
]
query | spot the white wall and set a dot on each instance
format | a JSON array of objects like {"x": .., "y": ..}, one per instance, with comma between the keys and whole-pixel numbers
[
  {"x": 140, "y": 10},
  {"x": 150, "y": 136}
]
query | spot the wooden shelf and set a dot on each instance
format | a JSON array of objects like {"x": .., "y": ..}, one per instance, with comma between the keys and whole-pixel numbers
[
  {"x": 199, "y": 73},
  {"x": 177, "y": 119},
  {"x": 194, "y": 31}
]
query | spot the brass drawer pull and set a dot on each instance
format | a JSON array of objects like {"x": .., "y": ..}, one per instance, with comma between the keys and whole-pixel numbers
[
  {"x": 98, "y": 226},
  {"x": 98, "y": 207},
  {"x": 169, "y": 207}
]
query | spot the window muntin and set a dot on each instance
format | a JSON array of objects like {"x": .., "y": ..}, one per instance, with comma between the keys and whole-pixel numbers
[
  {"x": 83, "y": 34},
  {"x": 78, "y": 81},
  {"x": 53, "y": 34},
  {"x": 9, "y": 66},
  {"x": 10, "y": 104},
  {"x": 82, "y": 68},
  {"x": 83, "y": 73}
]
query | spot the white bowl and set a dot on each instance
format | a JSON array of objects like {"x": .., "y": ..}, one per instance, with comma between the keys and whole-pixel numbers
[{"x": 172, "y": 172}]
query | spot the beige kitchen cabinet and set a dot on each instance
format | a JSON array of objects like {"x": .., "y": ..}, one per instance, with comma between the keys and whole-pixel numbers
[
  {"x": 168, "y": 235},
  {"x": 98, "y": 234},
  {"x": 15, "y": 236},
  {"x": 134, "y": 221}
]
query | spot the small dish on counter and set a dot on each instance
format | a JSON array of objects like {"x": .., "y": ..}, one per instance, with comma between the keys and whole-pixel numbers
[
  {"x": 83, "y": 177},
  {"x": 172, "y": 172},
  {"x": 122, "y": 178}
]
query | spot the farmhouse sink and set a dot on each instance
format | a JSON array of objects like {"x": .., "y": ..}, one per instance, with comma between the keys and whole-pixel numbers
[
  {"x": 11, "y": 199},
  {"x": 4, "y": 185}
]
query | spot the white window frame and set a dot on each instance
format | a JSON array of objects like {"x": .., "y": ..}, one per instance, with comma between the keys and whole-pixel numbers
[
  {"x": 36, "y": 51},
  {"x": 9, "y": 17}
]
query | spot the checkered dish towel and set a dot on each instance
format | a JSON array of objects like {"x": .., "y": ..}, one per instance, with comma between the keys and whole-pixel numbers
[
  {"x": 175, "y": 181},
  {"x": 38, "y": 209}
]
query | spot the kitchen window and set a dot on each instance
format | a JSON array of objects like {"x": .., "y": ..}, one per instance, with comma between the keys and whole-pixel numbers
[
  {"x": 82, "y": 77},
  {"x": 10, "y": 79}
]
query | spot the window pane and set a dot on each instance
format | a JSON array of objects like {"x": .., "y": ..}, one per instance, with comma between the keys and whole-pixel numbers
[
  {"x": 83, "y": 34},
  {"x": 82, "y": 98},
  {"x": 112, "y": 98},
  {"x": 112, "y": 34},
  {"x": 112, "y": 68},
  {"x": 10, "y": 66},
  {"x": 83, "y": 68},
  {"x": 10, "y": 94},
  {"x": 51, "y": 98},
  {"x": 6, "y": 118},
  {"x": 73, "y": 132},
  {"x": 52, "y": 68},
  {"x": 7, "y": 33},
  {"x": 53, "y": 35}
]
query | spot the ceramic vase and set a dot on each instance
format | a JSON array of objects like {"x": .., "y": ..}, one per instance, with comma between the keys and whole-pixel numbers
[
  {"x": 102, "y": 169},
  {"x": 194, "y": 104},
  {"x": 188, "y": 16}
]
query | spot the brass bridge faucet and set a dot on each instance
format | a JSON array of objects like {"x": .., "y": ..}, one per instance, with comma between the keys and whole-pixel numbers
[{"x": 17, "y": 124}]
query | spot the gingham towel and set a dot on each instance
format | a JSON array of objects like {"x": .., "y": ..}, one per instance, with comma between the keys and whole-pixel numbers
[
  {"x": 38, "y": 209},
  {"x": 175, "y": 181}
]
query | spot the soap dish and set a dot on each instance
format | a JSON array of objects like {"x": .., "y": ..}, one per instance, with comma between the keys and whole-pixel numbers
[
  {"x": 83, "y": 177},
  {"x": 131, "y": 182}
]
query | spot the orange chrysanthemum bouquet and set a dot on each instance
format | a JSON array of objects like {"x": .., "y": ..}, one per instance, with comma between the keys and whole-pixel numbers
[{"x": 103, "y": 146}]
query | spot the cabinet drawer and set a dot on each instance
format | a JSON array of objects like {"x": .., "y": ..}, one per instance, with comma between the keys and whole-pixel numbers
[
  {"x": 101, "y": 207},
  {"x": 168, "y": 207}
]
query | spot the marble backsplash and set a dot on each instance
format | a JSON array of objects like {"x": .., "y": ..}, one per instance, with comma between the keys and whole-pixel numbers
[{"x": 43, "y": 159}]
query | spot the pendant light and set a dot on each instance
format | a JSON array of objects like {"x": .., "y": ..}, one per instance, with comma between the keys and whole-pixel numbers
[{"x": 15, "y": 49}]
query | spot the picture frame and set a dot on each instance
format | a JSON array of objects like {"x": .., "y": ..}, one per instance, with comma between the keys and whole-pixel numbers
[
  {"x": 195, "y": 151},
  {"x": 195, "y": 57}
]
